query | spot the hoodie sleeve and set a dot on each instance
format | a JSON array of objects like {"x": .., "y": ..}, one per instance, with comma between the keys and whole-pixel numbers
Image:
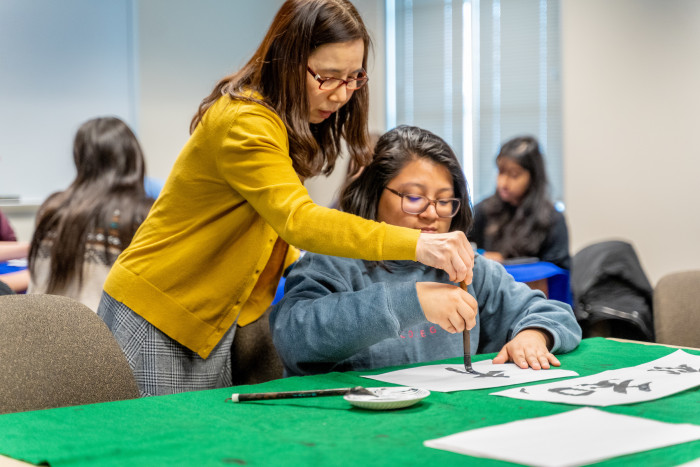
[
  {"x": 507, "y": 307},
  {"x": 331, "y": 311}
]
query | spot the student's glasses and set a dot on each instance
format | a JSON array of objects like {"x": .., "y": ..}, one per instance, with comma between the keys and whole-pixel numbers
[
  {"x": 330, "y": 84},
  {"x": 417, "y": 204}
]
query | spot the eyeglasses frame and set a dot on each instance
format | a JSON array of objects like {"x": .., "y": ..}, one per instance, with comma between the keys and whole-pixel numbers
[
  {"x": 430, "y": 201},
  {"x": 345, "y": 82}
]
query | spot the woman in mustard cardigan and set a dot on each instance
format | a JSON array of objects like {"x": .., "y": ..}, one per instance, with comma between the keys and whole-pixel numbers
[{"x": 213, "y": 248}]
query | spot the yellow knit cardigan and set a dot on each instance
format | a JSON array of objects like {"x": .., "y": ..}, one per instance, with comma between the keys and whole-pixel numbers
[{"x": 194, "y": 264}]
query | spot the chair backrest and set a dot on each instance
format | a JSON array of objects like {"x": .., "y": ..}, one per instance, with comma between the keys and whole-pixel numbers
[
  {"x": 56, "y": 352},
  {"x": 676, "y": 311}
]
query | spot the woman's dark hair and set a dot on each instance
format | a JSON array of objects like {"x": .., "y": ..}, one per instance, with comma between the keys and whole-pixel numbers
[
  {"x": 520, "y": 230},
  {"x": 394, "y": 150},
  {"x": 110, "y": 168},
  {"x": 278, "y": 72}
]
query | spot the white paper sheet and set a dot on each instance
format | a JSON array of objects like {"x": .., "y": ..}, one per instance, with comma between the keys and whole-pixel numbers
[
  {"x": 446, "y": 378},
  {"x": 659, "y": 378},
  {"x": 573, "y": 438},
  {"x": 695, "y": 463}
]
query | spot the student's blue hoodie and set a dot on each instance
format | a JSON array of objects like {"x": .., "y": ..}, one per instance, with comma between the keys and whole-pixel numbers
[{"x": 340, "y": 314}]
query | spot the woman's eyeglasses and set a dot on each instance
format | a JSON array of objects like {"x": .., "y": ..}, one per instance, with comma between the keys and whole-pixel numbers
[
  {"x": 417, "y": 204},
  {"x": 330, "y": 84}
]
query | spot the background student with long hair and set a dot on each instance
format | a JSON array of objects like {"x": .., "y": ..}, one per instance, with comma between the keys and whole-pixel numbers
[
  {"x": 519, "y": 220},
  {"x": 80, "y": 231}
]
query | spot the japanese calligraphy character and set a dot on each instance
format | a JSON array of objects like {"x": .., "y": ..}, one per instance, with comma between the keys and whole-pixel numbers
[
  {"x": 620, "y": 388},
  {"x": 490, "y": 374},
  {"x": 680, "y": 369}
]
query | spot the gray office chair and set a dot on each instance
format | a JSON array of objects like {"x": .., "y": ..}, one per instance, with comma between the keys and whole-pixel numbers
[
  {"x": 254, "y": 359},
  {"x": 56, "y": 352},
  {"x": 676, "y": 312}
]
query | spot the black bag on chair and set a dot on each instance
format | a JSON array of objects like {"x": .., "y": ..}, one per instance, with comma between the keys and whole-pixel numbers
[{"x": 612, "y": 295}]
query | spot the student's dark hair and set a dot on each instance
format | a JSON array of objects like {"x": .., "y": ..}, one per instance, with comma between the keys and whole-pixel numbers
[
  {"x": 110, "y": 175},
  {"x": 277, "y": 71},
  {"x": 394, "y": 150},
  {"x": 521, "y": 230}
]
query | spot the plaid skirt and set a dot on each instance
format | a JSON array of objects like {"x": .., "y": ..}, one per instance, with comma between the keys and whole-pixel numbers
[{"x": 160, "y": 364}]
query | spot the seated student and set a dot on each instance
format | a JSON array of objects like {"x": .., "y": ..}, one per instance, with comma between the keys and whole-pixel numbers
[
  {"x": 519, "y": 220},
  {"x": 81, "y": 231},
  {"x": 341, "y": 314}
]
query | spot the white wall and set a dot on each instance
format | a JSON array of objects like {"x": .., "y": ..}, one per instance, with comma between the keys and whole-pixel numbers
[
  {"x": 184, "y": 48},
  {"x": 631, "y": 96},
  {"x": 61, "y": 63}
]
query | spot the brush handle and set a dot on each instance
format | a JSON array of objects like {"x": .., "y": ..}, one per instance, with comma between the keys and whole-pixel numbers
[
  {"x": 467, "y": 353},
  {"x": 265, "y": 396},
  {"x": 467, "y": 340}
]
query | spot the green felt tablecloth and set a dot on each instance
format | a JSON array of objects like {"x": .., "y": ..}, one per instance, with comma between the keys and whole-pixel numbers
[{"x": 200, "y": 428}]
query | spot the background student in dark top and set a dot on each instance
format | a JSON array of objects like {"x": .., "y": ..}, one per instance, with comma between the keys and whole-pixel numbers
[{"x": 519, "y": 219}]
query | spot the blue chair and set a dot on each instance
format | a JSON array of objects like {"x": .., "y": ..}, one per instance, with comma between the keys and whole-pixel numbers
[
  {"x": 557, "y": 278},
  {"x": 280, "y": 291}
]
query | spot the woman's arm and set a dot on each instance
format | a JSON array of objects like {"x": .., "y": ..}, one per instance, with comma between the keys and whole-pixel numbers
[
  {"x": 13, "y": 250},
  {"x": 18, "y": 281}
]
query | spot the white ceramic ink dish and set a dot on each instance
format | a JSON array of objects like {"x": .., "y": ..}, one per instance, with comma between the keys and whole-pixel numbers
[{"x": 387, "y": 398}]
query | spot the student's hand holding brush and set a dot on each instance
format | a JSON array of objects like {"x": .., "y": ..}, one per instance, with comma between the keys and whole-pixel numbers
[{"x": 450, "y": 307}]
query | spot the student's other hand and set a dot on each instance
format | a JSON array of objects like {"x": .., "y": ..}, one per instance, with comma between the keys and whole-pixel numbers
[
  {"x": 450, "y": 307},
  {"x": 450, "y": 252},
  {"x": 528, "y": 348},
  {"x": 494, "y": 255}
]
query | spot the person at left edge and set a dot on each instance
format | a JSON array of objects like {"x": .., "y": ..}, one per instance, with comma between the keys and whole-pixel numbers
[{"x": 211, "y": 251}]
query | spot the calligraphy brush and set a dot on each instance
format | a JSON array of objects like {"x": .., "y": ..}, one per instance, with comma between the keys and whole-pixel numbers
[
  {"x": 264, "y": 396},
  {"x": 467, "y": 341}
]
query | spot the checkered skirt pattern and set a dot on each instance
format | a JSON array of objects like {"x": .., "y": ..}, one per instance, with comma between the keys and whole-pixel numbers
[{"x": 160, "y": 364}]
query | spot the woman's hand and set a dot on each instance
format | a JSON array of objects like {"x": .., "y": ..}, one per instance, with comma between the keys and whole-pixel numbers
[
  {"x": 450, "y": 252},
  {"x": 450, "y": 307},
  {"x": 529, "y": 347}
]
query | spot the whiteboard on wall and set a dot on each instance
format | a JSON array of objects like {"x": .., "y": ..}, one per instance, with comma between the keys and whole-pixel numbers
[{"x": 61, "y": 64}]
